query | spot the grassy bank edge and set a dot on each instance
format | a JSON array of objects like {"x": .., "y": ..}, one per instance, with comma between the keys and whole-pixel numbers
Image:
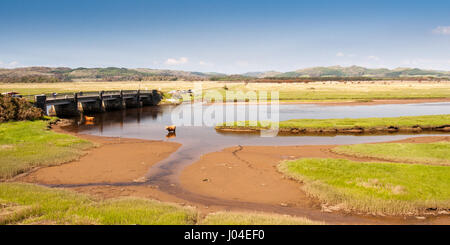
[
  {"x": 30, "y": 144},
  {"x": 339, "y": 199},
  {"x": 45, "y": 205},
  {"x": 349, "y": 125},
  {"x": 24, "y": 203},
  {"x": 437, "y": 153}
]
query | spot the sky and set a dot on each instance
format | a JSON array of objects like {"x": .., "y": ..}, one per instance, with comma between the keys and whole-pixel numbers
[{"x": 225, "y": 36}]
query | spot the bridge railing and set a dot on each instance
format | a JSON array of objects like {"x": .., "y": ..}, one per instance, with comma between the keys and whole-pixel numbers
[
  {"x": 71, "y": 95},
  {"x": 146, "y": 91},
  {"x": 129, "y": 91},
  {"x": 59, "y": 95},
  {"x": 82, "y": 93},
  {"x": 111, "y": 92}
]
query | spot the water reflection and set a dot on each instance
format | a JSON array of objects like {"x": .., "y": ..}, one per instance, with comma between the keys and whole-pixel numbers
[{"x": 171, "y": 135}]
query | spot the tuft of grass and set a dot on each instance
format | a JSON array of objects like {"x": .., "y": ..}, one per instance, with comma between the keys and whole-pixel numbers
[
  {"x": 244, "y": 218},
  {"x": 377, "y": 188},
  {"x": 430, "y": 153},
  {"x": 11, "y": 213},
  {"x": 28, "y": 144},
  {"x": 42, "y": 205},
  {"x": 373, "y": 122}
]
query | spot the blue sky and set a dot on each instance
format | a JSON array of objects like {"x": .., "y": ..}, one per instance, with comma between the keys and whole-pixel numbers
[{"x": 225, "y": 36}]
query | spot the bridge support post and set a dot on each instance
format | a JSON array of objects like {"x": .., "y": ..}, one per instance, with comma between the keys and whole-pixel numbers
[
  {"x": 156, "y": 97},
  {"x": 102, "y": 102},
  {"x": 138, "y": 98},
  {"x": 40, "y": 102},
  {"x": 122, "y": 101}
]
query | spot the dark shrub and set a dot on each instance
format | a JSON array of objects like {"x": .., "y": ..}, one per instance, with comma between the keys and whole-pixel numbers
[{"x": 17, "y": 109}]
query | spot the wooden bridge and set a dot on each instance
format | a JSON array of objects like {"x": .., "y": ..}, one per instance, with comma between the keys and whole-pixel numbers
[{"x": 69, "y": 105}]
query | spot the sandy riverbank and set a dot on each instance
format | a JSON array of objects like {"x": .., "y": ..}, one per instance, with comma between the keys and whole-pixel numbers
[{"x": 113, "y": 160}]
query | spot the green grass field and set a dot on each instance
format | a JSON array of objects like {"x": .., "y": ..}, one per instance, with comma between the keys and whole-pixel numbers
[
  {"x": 379, "y": 188},
  {"x": 28, "y": 144},
  {"x": 329, "y": 91},
  {"x": 429, "y": 153},
  {"x": 241, "y": 218},
  {"x": 407, "y": 121},
  {"x": 315, "y": 91},
  {"x": 32, "y": 204}
]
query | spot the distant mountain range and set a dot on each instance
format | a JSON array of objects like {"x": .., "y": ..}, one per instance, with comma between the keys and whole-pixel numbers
[
  {"x": 48, "y": 74},
  {"x": 351, "y": 71}
]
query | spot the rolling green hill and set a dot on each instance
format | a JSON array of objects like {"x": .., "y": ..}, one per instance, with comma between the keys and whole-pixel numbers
[
  {"x": 358, "y": 71},
  {"x": 49, "y": 74}
]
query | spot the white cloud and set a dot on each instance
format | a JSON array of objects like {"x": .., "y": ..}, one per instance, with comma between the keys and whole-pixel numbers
[
  {"x": 442, "y": 30},
  {"x": 340, "y": 54},
  {"x": 372, "y": 57},
  {"x": 174, "y": 61},
  {"x": 12, "y": 64}
]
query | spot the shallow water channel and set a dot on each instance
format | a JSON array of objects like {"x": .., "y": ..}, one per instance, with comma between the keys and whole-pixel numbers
[{"x": 199, "y": 137}]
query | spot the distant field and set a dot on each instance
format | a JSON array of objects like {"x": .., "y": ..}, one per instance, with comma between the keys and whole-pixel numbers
[
  {"x": 315, "y": 91},
  {"x": 430, "y": 153},
  {"x": 28, "y": 144},
  {"x": 330, "y": 91},
  {"x": 165, "y": 86},
  {"x": 387, "y": 188}
]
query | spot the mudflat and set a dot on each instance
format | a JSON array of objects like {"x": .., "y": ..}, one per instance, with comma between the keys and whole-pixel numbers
[
  {"x": 249, "y": 173},
  {"x": 113, "y": 160}
]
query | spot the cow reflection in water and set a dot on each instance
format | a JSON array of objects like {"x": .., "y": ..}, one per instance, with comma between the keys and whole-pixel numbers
[{"x": 171, "y": 135}]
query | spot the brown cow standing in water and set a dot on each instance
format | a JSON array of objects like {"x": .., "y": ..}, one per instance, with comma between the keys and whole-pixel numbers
[{"x": 171, "y": 128}]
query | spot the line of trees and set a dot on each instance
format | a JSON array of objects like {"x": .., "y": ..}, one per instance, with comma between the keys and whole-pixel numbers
[
  {"x": 237, "y": 78},
  {"x": 29, "y": 79},
  {"x": 321, "y": 79}
]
